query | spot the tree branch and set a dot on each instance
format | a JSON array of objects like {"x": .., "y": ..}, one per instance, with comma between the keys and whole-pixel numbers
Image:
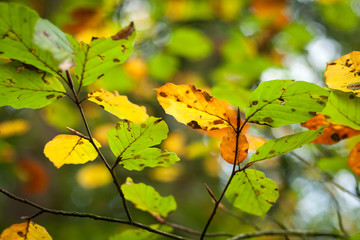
[
  {"x": 85, "y": 215},
  {"x": 288, "y": 233}
]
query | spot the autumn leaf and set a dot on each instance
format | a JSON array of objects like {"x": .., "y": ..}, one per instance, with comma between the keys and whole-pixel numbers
[
  {"x": 344, "y": 73},
  {"x": 118, "y": 105},
  {"x": 132, "y": 144},
  {"x": 333, "y": 132},
  {"x": 354, "y": 159},
  {"x": 252, "y": 192},
  {"x": 70, "y": 149},
  {"x": 25, "y": 231},
  {"x": 228, "y": 147},
  {"x": 13, "y": 127},
  {"x": 194, "y": 107},
  {"x": 93, "y": 176},
  {"x": 147, "y": 198}
]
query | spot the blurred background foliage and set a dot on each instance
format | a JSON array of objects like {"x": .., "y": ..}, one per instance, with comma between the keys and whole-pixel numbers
[{"x": 224, "y": 46}]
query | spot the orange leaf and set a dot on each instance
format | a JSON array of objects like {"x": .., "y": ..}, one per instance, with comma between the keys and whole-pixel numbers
[
  {"x": 194, "y": 107},
  {"x": 25, "y": 231},
  {"x": 333, "y": 133},
  {"x": 228, "y": 147},
  {"x": 344, "y": 73},
  {"x": 354, "y": 159}
]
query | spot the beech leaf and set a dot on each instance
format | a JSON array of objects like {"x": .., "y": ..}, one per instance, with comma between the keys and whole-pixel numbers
[
  {"x": 252, "y": 192},
  {"x": 280, "y": 146},
  {"x": 343, "y": 108},
  {"x": 354, "y": 159},
  {"x": 146, "y": 198},
  {"x": 344, "y": 73},
  {"x": 118, "y": 105},
  {"x": 94, "y": 60},
  {"x": 333, "y": 132},
  {"x": 25, "y": 231},
  {"x": 131, "y": 143},
  {"x": 281, "y": 102},
  {"x": 228, "y": 147},
  {"x": 194, "y": 107},
  {"x": 70, "y": 149},
  {"x": 27, "y": 88},
  {"x": 17, "y": 26}
]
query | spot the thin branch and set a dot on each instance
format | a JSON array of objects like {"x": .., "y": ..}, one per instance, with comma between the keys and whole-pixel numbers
[
  {"x": 217, "y": 202},
  {"x": 287, "y": 232},
  {"x": 91, "y": 139},
  {"x": 85, "y": 215}
]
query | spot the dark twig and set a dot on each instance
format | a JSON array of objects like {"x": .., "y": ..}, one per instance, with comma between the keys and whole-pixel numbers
[
  {"x": 84, "y": 215},
  {"x": 287, "y": 232},
  {"x": 233, "y": 172},
  {"x": 77, "y": 102}
]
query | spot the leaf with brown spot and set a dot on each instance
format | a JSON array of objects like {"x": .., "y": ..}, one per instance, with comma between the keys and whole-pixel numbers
[
  {"x": 70, "y": 149},
  {"x": 333, "y": 132},
  {"x": 354, "y": 159},
  {"x": 132, "y": 144},
  {"x": 228, "y": 147},
  {"x": 283, "y": 102},
  {"x": 344, "y": 73},
  {"x": 194, "y": 107},
  {"x": 119, "y": 105},
  {"x": 25, "y": 231}
]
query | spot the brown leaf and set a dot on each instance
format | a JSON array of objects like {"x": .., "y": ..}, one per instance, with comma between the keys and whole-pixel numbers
[
  {"x": 354, "y": 159},
  {"x": 194, "y": 107},
  {"x": 228, "y": 147},
  {"x": 333, "y": 133}
]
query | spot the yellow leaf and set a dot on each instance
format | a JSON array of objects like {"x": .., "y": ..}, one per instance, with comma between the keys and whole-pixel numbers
[
  {"x": 119, "y": 105},
  {"x": 93, "y": 176},
  {"x": 25, "y": 231},
  {"x": 344, "y": 73},
  {"x": 13, "y": 127},
  {"x": 228, "y": 147},
  {"x": 70, "y": 149},
  {"x": 194, "y": 107}
]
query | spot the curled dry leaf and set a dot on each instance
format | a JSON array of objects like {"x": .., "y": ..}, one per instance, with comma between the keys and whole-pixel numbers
[
  {"x": 228, "y": 147},
  {"x": 194, "y": 107},
  {"x": 118, "y": 105},
  {"x": 354, "y": 159},
  {"x": 344, "y": 73},
  {"x": 70, "y": 149},
  {"x": 333, "y": 133},
  {"x": 25, "y": 231}
]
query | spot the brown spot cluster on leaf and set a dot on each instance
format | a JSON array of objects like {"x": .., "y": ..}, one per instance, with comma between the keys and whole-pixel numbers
[
  {"x": 333, "y": 133},
  {"x": 354, "y": 159},
  {"x": 228, "y": 147},
  {"x": 194, "y": 107}
]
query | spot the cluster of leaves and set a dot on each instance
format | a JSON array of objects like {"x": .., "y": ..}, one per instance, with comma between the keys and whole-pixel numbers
[{"x": 41, "y": 64}]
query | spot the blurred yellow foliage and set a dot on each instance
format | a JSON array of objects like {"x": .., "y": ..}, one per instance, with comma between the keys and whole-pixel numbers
[
  {"x": 101, "y": 131},
  {"x": 13, "y": 127},
  {"x": 93, "y": 176},
  {"x": 175, "y": 143},
  {"x": 136, "y": 67},
  {"x": 167, "y": 174}
]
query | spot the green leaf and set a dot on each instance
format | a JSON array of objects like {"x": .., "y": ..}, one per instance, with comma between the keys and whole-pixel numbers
[
  {"x": 281, "y": 102},
  {"x": 25, "y": 88},
  {"x": 252, "y": 192},
  {"x": 141, "y": 234},
  {"x": 147, "y": 199},
  {"x": 280, "y": 146},
  {"x": 51, "y": 39},
  {"x": 130, "y": 143},
  {"x": 343, "y": 108},
  {"x": 17, "y": 26},
  {"x": 231, "y": 92},
  {"x": 190, "y": 43},
  {"x": 94, "y": 60}
]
